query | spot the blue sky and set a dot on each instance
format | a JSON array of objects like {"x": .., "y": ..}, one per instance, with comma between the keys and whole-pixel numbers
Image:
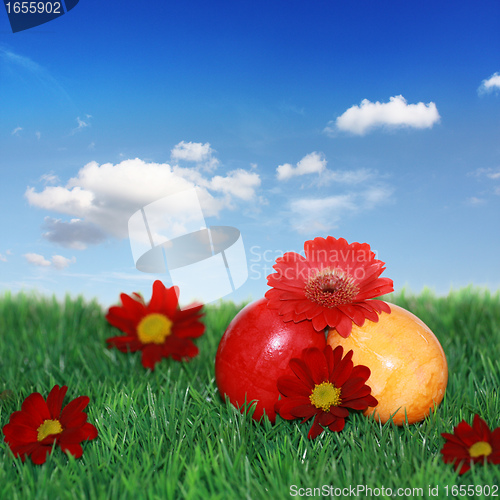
[{"x": 378, "y": 122}]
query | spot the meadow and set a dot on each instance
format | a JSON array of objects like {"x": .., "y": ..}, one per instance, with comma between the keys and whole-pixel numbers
[{"x": 167, "y": 434}]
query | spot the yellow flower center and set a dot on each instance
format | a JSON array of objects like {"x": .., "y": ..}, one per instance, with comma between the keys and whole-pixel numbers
[
  {"x": 154, "y": 328},
  {"x": 49, "y": 427},
  {"x": 325, "y": 395},
  {"x": 480, "y": 448}
]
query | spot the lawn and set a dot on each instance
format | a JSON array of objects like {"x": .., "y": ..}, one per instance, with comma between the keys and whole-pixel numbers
[{"x": 167, "y": 435}]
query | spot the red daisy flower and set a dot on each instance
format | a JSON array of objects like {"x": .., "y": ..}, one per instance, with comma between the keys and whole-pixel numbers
[
  {"x": 159, "y": 329},
  {"x": 325, "y": 385},
  {"x": 331, "y": 285},
  {"x": 39, "y": 424},
  {"x": 476, "y": 444}
]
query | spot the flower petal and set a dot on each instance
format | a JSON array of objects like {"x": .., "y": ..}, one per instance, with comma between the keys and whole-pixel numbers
[
  {"x": 315, "y": 429},
  {"x": 125, "y": 344},
  {"x": 151, "y": 354},
  {"x": 286, "y": 408},
  {"x": 302, "y": 372},
  {"x": 19, "y": 434},
  {"x": 338, "y": 425},
  {"x": 73, "y": 449},
  {"x": 289, "y": 385},
  {"x": 72, "y": 411},
  {"x": 40, "y": 453},
  {"x": 343, "y": 326},
  {"x": 342, "y": 371},
  {"x": 164, "y": 300},
  {"x": 55, "y": 400},
  {"x": 35, "y": 405},
  {"x": 316, "y": 362}
]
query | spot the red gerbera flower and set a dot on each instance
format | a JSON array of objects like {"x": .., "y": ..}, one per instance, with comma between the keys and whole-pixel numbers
[
  {"x": 331, "y": 285},
  {"x": 39, "y": 424},
  {"x": 476, "y": 444},
  {"x": 159, "y": 329},
  {"x": 325, "y": 385}
]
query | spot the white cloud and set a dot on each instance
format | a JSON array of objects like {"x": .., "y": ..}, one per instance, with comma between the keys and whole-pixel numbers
[
  {"x": 60, "y": 262},
  {"x": 103, "y": 197},
  {"x": 395, "y": 113},
  {"x": 49, "y": 178},
  {"x": 75, "y": 234},
  {"x": 473, "y": 200},
  {"x": 82, "y": 124},
  {"x": 57, "y": 262},
  {"x": 350, "y": 177},
  {"x": 191, "y": 151},
  {"x": 73, "y": 201},
  {"x": 489, "y": 177},
  {"x": 38, "y": 134},
  {"x": 16, "y": 131},
  {"x": 195, "y": 152},
  {"x": 239, "y": 183},
  {"x": 313, "y": 215},
  {"x": 491, "y": 84},
  {"x": 37, "y": 259},
  {"x": 3, "y": 258},
  {"x": 313, "y": 163},
  {"x": 490, "y": 173}
]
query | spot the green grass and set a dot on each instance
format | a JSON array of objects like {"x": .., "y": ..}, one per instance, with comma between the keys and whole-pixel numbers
[{"x": 166, "y": 434}]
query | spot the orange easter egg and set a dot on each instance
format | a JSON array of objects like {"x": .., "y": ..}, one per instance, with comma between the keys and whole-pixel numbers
[{"x": 409, "y": 372}]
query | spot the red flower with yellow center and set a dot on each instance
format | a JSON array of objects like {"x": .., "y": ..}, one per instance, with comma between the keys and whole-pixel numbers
[
  {"x": 331, "y": 285},
  {"x": 476, "y": 444},
  {"x": 158, "y": 329},
  {"x": 325, "y": 386},
  {"x": 39, "y": 424}
]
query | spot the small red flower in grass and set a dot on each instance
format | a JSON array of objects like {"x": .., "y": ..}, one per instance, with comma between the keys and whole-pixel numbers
[
  {"x": 324, "y": 386},
  {"x": 159, "y": 329},
  {"x": 475, "y": 444},
  {"x": 331, "y": 285},
  {"x": 39, "y": 424}
]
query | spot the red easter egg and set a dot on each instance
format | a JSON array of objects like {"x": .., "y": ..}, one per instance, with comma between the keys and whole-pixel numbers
[{"x": 255, "y": 350}]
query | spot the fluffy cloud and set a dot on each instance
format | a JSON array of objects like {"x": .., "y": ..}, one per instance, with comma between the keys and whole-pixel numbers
[
  {"x": 395, "y": 113},
  {"x": 16, "y": 131},
  {"x": 313, "y": 215},
  {"x": 313, "y": 163},
  {"x": 58, "y": 261},
  {"x": 195, "y": 152},
  {"x": 76, "y": 234},
  {"x": 37, "y": 259},
  {"x": 101, "y": 198},
  {"x": 239, "y": 183},
  {"x": 49, "y": 178},
  {"x": 491, "y": 84},
  {"x": 490, "y": 173}
]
